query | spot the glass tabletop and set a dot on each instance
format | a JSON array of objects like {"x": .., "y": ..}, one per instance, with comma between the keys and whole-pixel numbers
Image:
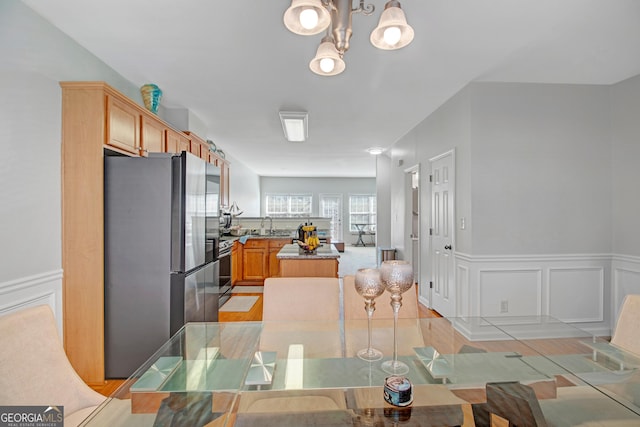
[
  {"x": 576, "y": 355},
  {"x": 223, "y": 374}
]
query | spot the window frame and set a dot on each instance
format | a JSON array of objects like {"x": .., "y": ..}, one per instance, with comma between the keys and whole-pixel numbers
[
  {"x": 289, "y": 210},
  {"x": 371, "y": 213}
]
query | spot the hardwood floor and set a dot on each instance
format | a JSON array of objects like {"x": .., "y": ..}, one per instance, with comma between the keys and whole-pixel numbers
[{"x": 255, "y": 314}]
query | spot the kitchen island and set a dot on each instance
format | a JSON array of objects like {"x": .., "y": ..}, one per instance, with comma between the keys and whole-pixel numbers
[{"x": 295, "y": 263}]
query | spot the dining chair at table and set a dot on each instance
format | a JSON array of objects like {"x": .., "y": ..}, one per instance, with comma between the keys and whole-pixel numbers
[
  {"x": 626, "y": 334},
  {"x": 301, "y": 298},
  {"x": 34, "y": 369},
  {"x": 581, "y": 406},
  {"x": 313, "y": 300}
]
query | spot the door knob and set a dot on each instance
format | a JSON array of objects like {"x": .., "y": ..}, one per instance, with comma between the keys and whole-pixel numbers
[{"x": 448, "y": 247}]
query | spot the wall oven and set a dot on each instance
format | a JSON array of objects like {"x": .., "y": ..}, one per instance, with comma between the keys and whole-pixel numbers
[{"x": 224, "y": 259}]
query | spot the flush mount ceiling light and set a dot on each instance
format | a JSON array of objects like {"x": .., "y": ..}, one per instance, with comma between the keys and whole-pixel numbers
[
  {"x": 294, "y": 125},
  {"x": 374, "y": 151},
  {"x": 308, "y": 17}
]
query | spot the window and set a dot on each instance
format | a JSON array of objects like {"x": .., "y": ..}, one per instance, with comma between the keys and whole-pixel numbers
[
  {"x": 288, "y": 205},
  {"x": 362, "y": 210}
]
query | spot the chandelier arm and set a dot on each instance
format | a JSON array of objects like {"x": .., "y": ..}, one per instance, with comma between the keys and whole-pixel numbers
[
  {"x": 328, "y": 4},
  {"x": 365, "y": 10}
]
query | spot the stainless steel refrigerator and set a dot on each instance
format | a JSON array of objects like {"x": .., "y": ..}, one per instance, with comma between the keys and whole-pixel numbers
[{"x": 161, "y": 241}]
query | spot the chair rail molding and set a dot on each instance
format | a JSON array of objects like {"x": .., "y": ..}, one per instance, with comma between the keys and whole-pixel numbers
[{"x": 42, "y": 288}]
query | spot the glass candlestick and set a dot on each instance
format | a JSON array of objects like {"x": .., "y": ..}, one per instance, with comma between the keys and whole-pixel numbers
[
  {"x": 369, "y": 285},
  {"x": 397, "y": 277}
]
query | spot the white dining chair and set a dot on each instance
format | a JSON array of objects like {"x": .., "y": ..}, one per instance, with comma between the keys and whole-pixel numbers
[
  {"x": 626, "y": 334},
  {"x": 34, "y": 369},
  {"x": 301, "y": 298}
]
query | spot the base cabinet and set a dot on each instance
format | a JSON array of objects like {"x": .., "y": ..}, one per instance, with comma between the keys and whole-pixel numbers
[
  {"x": 236, "y": 262},
  {"x": 258, "y": 259},
  {"x": 274, "y": 263},
  {"x": 254, "y": 261}
]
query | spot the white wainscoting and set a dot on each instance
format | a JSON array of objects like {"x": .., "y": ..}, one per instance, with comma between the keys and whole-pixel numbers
[
  {"x": 44, "y": 288},
  {"x": 574, "y": 288},
  {"x": 625, "y": 271}
]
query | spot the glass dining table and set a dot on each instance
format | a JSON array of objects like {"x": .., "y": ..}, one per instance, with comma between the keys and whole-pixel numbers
[{"x": 307, "y": 373}]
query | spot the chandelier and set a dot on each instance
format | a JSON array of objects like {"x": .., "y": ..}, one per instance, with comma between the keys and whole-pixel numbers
[{"x": 309, "y": 17}]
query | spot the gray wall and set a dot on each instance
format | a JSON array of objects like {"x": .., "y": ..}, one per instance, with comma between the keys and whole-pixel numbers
[
  {"x": 35, "y": 57},
  {"x": 625, "y": 131},
  {"x": 533, "y": 167},
  {"x": 245, "y": 187},
  {"x": 540, "y": 169},
  {"x": 318, "y": 186}
]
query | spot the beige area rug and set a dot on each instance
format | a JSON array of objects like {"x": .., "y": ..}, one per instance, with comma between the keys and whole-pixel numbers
[
  {"x": 242, "y": 289},
  {"x": 239, "y": 304}
]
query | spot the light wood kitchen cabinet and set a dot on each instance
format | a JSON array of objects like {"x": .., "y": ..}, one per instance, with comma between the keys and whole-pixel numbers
[
  {"x": 96, "y": 120},
  {"x": 176, "y": 143},
  {"x": 274, "y": 263},
  {"x": 224, "y": 182},
  {"x": 153, "y": 136},
  {"x": 255, "y": 260},
  {"x": 123, "y": 125},
  {"x": 194, "y": 148},
  {"x": 199, "y": 147},
  {"x": 236, "y": 263}
]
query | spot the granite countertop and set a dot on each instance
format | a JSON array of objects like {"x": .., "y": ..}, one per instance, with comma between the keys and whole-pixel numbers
[
  {"x": 256, "y": 236},
  {"x": 292, "y": 251}
]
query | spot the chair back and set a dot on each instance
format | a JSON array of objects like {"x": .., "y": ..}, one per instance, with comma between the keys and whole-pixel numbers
[
  {"x": 626, "y": 333},
  {"x": 301, "y": 298},
  {"x": 354, "y": 303},
  {"x": 516, "y": 403},
  {"x": 34, "y": 369}
]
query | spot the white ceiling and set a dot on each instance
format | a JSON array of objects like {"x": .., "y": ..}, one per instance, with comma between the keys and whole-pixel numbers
[{"x": 234, "y": 65}]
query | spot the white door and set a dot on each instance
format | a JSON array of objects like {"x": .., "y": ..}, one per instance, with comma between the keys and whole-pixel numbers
[
  {"x": 442, "y": 227},
  {"x": 331, "y": 207}
]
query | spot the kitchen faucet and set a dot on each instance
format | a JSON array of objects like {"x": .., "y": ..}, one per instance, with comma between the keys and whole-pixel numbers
[{"x": 270, "y": 223}]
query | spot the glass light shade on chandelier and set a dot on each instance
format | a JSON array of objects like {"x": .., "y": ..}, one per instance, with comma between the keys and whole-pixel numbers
[
  {"x": 392, "y": 31},
  {"x": 397, "y": 277},
  {"x": 307, "y": 17},
  {"x": 327, "y": 61}
]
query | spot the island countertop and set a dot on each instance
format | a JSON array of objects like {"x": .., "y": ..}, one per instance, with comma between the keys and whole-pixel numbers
[{"x": 292, "y": 251}]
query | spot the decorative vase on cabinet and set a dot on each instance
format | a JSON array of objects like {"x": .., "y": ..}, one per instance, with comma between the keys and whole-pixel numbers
[{"x": 151, "y": 95}]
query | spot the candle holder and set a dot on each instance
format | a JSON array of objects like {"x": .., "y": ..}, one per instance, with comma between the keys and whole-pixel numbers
[
  {"x": 369, "y": 286},
  {"x": 397, "y": 277}
]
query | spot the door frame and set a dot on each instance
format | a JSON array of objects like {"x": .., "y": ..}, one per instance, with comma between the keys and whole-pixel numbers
[
  {"x": 339, "y": 196},
  {"x": 408, "y": 172},
  {"x": 452, "y": 180}
]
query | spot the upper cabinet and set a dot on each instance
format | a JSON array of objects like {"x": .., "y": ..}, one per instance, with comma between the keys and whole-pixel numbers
[
  {"x": 224, "y": 183},
  {"x": 153, "y": 136},
  {"x": 176, "y": 142},
  {"x": 123, "y": 125}
]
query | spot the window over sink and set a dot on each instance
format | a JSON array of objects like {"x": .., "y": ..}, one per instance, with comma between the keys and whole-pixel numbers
[{"x": 288, "y": 205}]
